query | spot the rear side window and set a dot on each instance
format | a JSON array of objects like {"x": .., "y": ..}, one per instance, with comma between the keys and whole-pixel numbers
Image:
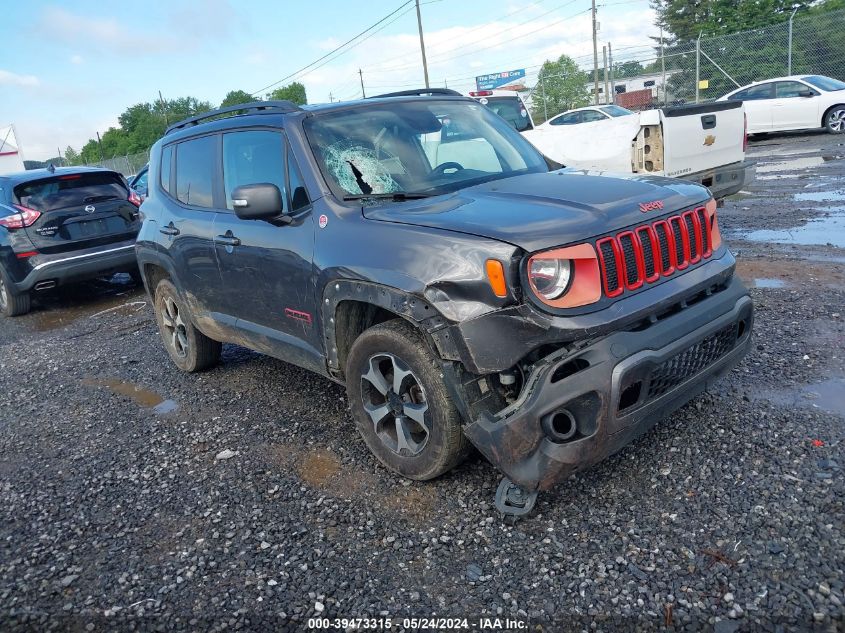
[
  {"x": 71, "y": 190},
  {"x": 252, "y": 157},
  {"x": 195, "y": 171},
  {"x": 166, "y": 162},
  {"x": 511, "y": 110},
  {"x": 567, "y": 119},
  {"x": 754, "y": 93}
]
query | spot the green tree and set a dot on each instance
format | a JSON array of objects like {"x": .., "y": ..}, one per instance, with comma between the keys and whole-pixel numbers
[
  {"x": 236, "y": 97},
  {"x": 72, "y": 157},
  {"x": 561, "y": 86},
  {"x": 684, "y": 20},
  {"x": 294, "y": 92},
  {"x": 624, "y": 70}
]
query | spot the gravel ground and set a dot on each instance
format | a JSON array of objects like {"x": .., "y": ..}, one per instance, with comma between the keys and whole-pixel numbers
[{"x": 133, "y": 496}]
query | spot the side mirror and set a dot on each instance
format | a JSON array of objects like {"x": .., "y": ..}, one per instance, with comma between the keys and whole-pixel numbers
[
  {"x": 260, "y": 201},
  {"x": 806, "y": 93}
]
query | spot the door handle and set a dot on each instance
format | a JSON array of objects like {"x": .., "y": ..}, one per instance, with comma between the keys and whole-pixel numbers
[
  {"x": 169, "y": 230},
  {"x": 227, "y": 240}
]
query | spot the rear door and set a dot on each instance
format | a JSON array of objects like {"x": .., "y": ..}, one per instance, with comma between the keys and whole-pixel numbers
[
  {"x": 697, "y": 138},
  {"x": 758, "y": 106},
  {"x": 78, "y": 211}
]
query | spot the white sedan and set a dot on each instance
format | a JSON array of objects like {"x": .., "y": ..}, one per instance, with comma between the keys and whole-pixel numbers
[
  {"x": 587, "y": 115},
  {"x": 799, "y": 102}
]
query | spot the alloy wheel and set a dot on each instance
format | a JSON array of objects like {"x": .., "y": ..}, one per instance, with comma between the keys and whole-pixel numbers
[
  {"x": 836, "y": 120},
  {"x": 396, "y": 404},
  {"x": 4, "y": 295},
  {"x": 175, "y": 328}
]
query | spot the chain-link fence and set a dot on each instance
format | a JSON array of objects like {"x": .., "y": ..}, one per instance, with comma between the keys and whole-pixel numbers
[
  {"x": 128, "y": 165},
  {"x": 706, "y": 69}
]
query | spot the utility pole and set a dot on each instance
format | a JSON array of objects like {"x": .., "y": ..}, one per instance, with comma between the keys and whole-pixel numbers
[
  {"x": 163, "y": 108},
  {"x": 595, "y": 59},
  {"x": 606, "y": 82},
  {"x": 61, "y": 158},
  {"x": 612, "y": 80},
  {"x": 662, "y": 67},
  {"x": 100, "y": 145},
  {"x": 361, "y": 75},
  {"x": 331, "y": 98},
  {"x": 545, "y": 103},
  {"x": 422, "y": 44}
]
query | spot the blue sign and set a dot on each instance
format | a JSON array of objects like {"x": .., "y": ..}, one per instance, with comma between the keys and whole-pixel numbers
[{"x": 497, "y": 80}]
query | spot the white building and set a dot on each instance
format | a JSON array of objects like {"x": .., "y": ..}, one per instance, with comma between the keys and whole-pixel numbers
[{"x": 11, "y": 157}]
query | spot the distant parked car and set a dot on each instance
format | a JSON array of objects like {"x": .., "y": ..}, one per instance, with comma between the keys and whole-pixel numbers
[
  {"x": 799, "y": 102},
  {"x": 60, "y": 225},
  {"x": 138, "y": 182},
  {"x": 589, "y": 114}
]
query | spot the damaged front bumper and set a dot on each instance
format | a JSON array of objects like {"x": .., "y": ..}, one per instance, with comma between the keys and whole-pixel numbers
[{"x": 576, "y": 408}]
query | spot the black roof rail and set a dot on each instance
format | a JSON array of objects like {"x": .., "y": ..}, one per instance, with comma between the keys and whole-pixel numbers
[
  {"x": 256, "y": 107},
  {"x": 448, "y": 92}
]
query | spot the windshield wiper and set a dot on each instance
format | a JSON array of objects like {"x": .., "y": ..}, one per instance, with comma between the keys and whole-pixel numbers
[{"x": 396, "y": 196}]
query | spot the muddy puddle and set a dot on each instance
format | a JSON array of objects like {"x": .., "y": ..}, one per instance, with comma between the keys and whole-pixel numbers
[
  {"x": 793, "y": 164},
  {"x": 66, "y": 305},
  {"x": 828, "y": 395},
  {"x": 821, "y": 196},
  {"x": 829, "y": 230},
  {"x": 141, "y": 396},
  {"x": 767, "y": 282}
]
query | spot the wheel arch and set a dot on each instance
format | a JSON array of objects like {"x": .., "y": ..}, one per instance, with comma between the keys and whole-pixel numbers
[
  {"x": 828, "y": 111},
  {"x": 350, "y": 307}
]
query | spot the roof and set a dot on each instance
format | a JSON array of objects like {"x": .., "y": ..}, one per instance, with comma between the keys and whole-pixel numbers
[{"x": 37, "y": 174}]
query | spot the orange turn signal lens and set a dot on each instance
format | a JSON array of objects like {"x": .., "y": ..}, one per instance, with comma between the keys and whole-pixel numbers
[
  {"x": 585, "y": 283},
  {"x": 496, "y": 277}
]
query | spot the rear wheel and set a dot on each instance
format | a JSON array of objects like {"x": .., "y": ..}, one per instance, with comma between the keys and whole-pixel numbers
[
  {"x": 834, "y": 120},
  {"x": 400, "y": 403},
  {"x": 12, "y": 303},
  {"x": 189, "y": 348}
]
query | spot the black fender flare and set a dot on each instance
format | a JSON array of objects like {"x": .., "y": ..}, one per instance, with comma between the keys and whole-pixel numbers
[{"x": 401, "y": 303}]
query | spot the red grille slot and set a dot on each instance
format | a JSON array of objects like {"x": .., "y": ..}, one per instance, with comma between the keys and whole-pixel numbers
[{"x": 643, "y": 254}]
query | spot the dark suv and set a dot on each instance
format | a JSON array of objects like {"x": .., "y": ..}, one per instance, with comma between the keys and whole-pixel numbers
[
  {"x": 418, "y": 250},
  {"x": 61, "y": 225}
]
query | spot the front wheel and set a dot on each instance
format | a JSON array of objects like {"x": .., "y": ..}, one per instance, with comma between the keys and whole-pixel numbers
[
  {"x": 12, "y": 303},
  {"x": 834, "y": 120},
  {"x": 189, "y": 349},
  {"x": 400, "y": 403}
]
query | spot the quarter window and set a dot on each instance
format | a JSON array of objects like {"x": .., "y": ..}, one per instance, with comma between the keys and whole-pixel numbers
[
  {"x": 252, "y": 157},
  {"x": 298, "y": 194},
  {"x": 195, "y": 171}
]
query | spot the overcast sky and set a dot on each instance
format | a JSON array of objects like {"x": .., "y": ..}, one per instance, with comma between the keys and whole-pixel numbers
[{"x": 68, "y": 69}]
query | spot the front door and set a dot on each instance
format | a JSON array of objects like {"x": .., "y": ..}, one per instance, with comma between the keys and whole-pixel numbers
[
  {"x": 265, "y": 266},
  {"x": 791, "y": 110}
]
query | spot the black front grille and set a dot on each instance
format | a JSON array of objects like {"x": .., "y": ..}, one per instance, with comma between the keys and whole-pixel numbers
[
  {"x": 689, "y": 362},
  {"x": 631, "y": 273},
  {"x": 693, "y": 242},
  {"x": 611, "y": 272}
]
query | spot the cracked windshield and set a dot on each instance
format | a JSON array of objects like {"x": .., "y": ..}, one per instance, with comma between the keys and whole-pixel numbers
[{"x": 416, "y": 149}]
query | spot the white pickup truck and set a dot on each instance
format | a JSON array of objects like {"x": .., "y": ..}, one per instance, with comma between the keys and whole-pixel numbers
[{"x": 704, "y": 143}]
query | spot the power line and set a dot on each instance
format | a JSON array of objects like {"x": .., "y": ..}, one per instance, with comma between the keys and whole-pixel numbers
[{"x": 346, "y": 43}]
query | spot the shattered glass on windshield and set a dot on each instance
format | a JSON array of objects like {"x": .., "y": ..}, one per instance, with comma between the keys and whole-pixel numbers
[{"x": 357, "y": 169}]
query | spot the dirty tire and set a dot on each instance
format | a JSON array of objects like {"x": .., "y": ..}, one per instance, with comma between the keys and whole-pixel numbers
[
  {"x": 834, "y": 120},
  {"x": 428, "y": 449},
  {"x": 12, "y": 303},
  {"x": 190, "y": 349}
]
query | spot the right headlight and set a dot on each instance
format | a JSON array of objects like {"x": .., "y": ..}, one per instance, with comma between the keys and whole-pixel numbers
[{"x": 565, "y": 277}]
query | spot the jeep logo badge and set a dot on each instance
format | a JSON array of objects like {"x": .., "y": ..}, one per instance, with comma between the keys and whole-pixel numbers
[
  {"x": 645, "y": 207},
  {"x": 90, "y": 208}
]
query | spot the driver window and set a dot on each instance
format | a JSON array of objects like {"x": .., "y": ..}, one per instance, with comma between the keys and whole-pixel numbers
[
  {"x": 591, "y": 115},
  {"x": 252, "y": 157}
]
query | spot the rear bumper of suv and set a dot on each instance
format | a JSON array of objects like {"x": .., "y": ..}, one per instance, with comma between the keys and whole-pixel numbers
[
  {"x": 48, "y": 271},
  {"x": 578, "y": 408}
]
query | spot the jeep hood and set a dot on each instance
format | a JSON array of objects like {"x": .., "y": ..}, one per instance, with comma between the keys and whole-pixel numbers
[{"x": 537, "y": 211}]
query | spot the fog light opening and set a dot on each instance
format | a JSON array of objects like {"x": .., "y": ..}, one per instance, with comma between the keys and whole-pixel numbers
[
  {"x": 560, "y": 425},
  {"x": 630, "y": 396},
  {"x": 740, "y": 328}
]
